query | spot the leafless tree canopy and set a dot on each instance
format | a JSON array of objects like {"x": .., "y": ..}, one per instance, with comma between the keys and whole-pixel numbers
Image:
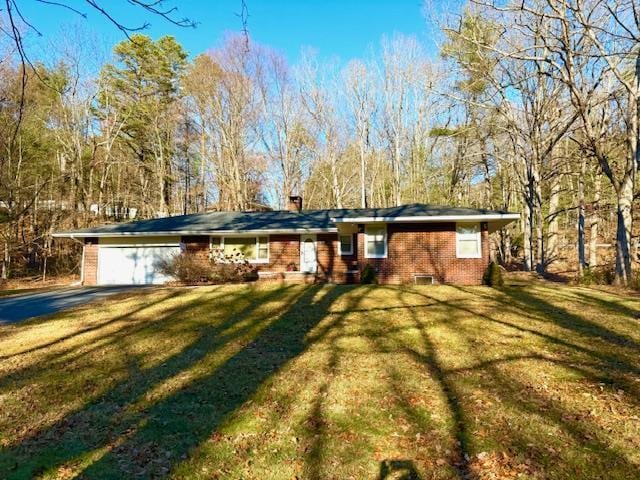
[{"x": 529, "y": 106}]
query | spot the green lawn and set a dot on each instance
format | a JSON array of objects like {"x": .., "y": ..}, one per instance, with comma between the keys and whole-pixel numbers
[{"x": 313, "y": 382}]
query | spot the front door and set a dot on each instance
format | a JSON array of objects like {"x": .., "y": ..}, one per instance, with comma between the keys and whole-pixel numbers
[{"x": 308, "y": 258}]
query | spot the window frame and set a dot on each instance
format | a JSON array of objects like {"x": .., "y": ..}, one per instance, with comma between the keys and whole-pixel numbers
[
  {"x": 350, "y": 251},
  {"x": 367, "y": 237},
  {"x": 257, "y": 245},
  {"x": 477, "y": 236}
]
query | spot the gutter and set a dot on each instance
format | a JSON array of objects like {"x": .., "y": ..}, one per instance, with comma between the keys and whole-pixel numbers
[
  {"x": 430, "y": 218},
  {"x": 273, "y": 231}
]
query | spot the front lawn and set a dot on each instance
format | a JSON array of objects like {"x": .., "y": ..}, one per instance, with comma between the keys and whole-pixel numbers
[{"x": 314, "y": 382}]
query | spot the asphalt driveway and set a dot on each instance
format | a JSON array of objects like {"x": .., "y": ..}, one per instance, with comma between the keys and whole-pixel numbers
[{"x": 24, "y": 306}]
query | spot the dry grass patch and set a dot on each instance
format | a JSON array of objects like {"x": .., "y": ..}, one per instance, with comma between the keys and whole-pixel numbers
[{"x": 271, "y": 382}]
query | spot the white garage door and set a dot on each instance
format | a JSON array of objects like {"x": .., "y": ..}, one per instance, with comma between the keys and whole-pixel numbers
[{"x": 132, "y": 265}]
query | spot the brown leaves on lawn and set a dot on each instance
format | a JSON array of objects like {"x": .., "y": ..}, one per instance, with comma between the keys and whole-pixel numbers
[{"x": 501, "y": 466}]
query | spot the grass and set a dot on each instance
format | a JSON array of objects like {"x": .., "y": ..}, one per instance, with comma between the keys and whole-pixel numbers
[
  {"x": 21, "y": 291},
  {"x": 314, "y": 382},
  {"x": 15, "y": 286}
]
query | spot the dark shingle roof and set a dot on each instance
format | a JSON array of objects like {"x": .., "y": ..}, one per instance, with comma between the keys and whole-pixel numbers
[
  {"x": 414, "y": 210},
  {"x": 270, "y": 220}
]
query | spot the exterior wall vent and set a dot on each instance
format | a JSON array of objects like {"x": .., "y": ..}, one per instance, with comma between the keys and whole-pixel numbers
[{"x": 421, "y": 279}]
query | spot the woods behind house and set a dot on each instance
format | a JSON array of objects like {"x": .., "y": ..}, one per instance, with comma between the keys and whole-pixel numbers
[{"x": 531, "y": 107}]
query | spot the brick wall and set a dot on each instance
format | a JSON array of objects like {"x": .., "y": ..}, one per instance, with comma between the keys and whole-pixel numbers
[
  {"x": 283, "y": 250},
  {"x": 90, "y": 259},
  {"x": 331, "y": 265},
  {"x": 198, "y": 246},
  {"x": 428, "y": 249}
]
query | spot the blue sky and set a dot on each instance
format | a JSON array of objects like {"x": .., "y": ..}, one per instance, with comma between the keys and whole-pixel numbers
[{"x": 344, "y": 29}]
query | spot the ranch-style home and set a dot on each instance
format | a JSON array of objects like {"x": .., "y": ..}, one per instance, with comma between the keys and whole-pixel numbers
[{"x": 414, "y": 243}]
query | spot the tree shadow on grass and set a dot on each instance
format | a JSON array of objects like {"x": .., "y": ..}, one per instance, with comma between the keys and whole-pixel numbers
[
  {"x": 398, "y": 470},
  {"x": 563, "y": 318},
  {"x": 81, "y": 331},
  {"x": 521, "y": 397},
  {"x": 58, "y": 355},
  {"x": 606, "y": 351},
  {"x": 592, "y": 298},
  {"x": 325, "y": 423},
  {"x": 316, "y": 424},
  {"x": 431, "y": 360},
  {"x": 118, "y": 438},
  {"x": 585, "y": 346}
]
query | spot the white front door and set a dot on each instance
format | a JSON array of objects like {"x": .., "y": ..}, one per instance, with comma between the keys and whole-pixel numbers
[
  {"x": 308, "y": 258},
  {"x": 133, "y": 265}
]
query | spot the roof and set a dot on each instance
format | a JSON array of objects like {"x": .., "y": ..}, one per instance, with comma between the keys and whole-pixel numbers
[
  {"x": 416, "y": 210},
  {"x": 283, "y": 221}
]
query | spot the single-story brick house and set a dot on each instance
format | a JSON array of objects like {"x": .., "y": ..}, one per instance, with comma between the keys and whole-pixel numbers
[{"x": 406, "y": 244}]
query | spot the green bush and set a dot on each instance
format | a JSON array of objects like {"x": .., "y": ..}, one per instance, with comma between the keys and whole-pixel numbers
[
  {"x": 588, "y": 277},
  {"x": 493, "y": 275},
  {"x": 368, "y": 275},
  {"x": 597, "y": 276}
]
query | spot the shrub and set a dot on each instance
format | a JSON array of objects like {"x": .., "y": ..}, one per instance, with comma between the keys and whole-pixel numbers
[
  {"x": 191, "y": 269},
  {"x": 588, "y": 276},
  {"x": 597, "y": 276},
  {"x": 244, "y": 271},
  {"x": 368, "y": 275},
  {"x": 493, "y": 275},
  {"x": 250, "y": 276},
  {"x": 634, "y": 281},
  {"x": 188, "y": 269}
]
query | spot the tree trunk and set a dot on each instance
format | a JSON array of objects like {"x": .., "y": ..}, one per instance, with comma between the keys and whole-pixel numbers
[
  {"x": 5, "y": 262},
  {"x": 581, "y": 254},
  {"x": 526, "y": 237},
  {"x": 623, "y": 231},
  {"x": 553, "y": 231},
  {"x": 397, "y": 197},
  {"x": 335, "y": 183},
  {"x": 593, "y": 224},
  {"x": 537, "y": 215},
  {"x": 363, "y": 177}
]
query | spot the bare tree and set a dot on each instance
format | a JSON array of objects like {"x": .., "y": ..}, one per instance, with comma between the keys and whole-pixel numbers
[{"x": 360, "y": 95}]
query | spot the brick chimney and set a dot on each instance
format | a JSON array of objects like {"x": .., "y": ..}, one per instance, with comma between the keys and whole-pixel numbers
[{"x": 295, "y": 203}]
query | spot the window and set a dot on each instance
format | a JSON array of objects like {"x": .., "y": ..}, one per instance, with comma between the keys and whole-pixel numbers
[
  {"x": 263, "y": 248},
  {"x": 254, "y": 249},
  {"x": 468, "y": 240},
  {"x": 244, "y": 245},
  {"x": 375, "y": 238},
  {"x": 346, "y": 244}
]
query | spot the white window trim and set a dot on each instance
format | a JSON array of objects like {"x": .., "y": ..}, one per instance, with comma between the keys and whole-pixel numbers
[
  {"x": 469, "y": 236},
  {"x": 138, "y": 245},
  {"x": 350, "y": 251},
  {"x": 257, "y": 237},
  {"x": 366, "y": 240}
]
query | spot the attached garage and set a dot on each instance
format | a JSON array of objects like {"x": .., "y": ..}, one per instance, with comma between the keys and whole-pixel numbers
[
  {"x": 133, "y": 265},
  {"x": 127, "y": 260}
]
